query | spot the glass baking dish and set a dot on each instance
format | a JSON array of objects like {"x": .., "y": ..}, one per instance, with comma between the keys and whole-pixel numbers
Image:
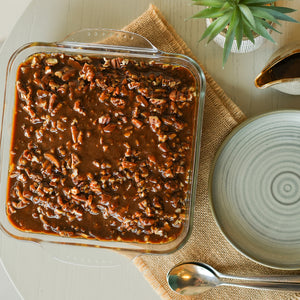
[{"x": 114, "y": 43}]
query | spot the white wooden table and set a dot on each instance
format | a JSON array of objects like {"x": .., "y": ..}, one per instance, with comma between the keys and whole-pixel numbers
[{"x": 35, "y": 273}]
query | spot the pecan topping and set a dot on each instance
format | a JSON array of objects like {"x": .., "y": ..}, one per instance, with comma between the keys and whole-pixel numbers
[{"x": 101, "y": 148}]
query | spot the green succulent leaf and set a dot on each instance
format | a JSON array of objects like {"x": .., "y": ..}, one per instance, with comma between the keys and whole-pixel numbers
[
  {"x": 284, "y": 10},
  {"x": 216, "y": 26},
  {"x": 230, "y": 34},
  {"x": 269, "y": 26},
  {"x": 261, "y": 30},
  {"x": 247, "y": 13},
  {"x": 257, "y": 12},
  {"x": 259, "y": 2},
  {"x": 209, "y": 3},
  {"x": 233, "y": 2},
  {"x": 212, "y": 12},
  {"x": 239, "y": 33},
  {"x": 278, "y": 14},
  {"x": 248, "y": 33}
]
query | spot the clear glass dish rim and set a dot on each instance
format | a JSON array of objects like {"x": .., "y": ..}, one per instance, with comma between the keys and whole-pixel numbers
[{"x": 154, "y": 53}]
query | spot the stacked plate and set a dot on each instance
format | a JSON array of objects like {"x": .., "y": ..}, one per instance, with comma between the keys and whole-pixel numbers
[{"x": 255, "y": 189}]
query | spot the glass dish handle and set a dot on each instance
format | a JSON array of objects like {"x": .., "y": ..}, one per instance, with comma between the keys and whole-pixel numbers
[{"x": 111, "y": 37}]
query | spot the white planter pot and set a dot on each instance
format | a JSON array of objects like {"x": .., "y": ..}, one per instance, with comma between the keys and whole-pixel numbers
[{"x": 246, "y": 45}]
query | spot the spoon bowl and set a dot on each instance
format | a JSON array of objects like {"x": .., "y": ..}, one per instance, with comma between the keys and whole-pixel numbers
[{"x": 192, "y": 278}]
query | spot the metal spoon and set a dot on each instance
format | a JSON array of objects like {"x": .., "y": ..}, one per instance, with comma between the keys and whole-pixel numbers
[{"x": 194, "y": 278}]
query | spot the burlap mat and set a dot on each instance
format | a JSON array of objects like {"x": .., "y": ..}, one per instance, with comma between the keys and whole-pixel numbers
[{"x": 206, "y": 243}]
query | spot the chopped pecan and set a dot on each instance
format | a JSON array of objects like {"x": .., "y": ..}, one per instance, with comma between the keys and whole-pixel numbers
[
  {"x": 133, "y": 85},
  {"x": 75, "y": 64},
  {"x": 152, "y": 158},
  {"x": 146, "y": 221},
  {"x": 168, "y": 173},
  {"x": 79, "y": 197},
  {"x": 137, "y": 123},
  {"x": 109, "y": 128},
  {"x": 156, "y": 101},
  {"x": 142, "y": 100},
  {"x": 51, "y": 61},
  {"x": 129, "y": 165},
  {"x": 74, "y": 132},
  {"x": 50, "y": 157},
  {"x": 105, "y": 199},
  {"x": 173, "y": 95},
  {"x": 80, "y": 137},
  {"x": 179, "y": 125},
  {"x": 115, "y": 63},
  {"x": 154, "y": 122},
  {"x": 104, "y": 120},
  {"x": 163, "y": 147},
  {"x": 78, "y": 108},
  {"x": 87, "y": 72},
  {"x": 52, "y": 101},
  {"x": 95, "y": 187},
  {"x": 75, "y": 160},
  {"x": 120, "y": 103},
  {"x": 66, "y": 76}
]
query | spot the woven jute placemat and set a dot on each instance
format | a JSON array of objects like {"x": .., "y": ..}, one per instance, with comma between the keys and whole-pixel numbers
[{"x": 206, "y": 244}]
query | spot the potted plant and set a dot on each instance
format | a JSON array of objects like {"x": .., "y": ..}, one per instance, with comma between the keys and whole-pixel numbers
[{"x": 237, "y": 21}]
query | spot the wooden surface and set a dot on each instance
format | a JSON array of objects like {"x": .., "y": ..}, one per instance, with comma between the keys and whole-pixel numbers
[{"x": 34, "y": 271}]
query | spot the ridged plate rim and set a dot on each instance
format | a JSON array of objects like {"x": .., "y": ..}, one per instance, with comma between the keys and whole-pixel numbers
[{"x": 228, "y": 138}]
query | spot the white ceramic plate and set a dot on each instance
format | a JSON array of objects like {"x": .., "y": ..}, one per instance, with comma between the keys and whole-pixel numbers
[{"x": 255, "y": 189}]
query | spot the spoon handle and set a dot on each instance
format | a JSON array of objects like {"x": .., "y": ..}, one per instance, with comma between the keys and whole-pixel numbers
[
  {"x": 272, "y": 285},
  {"x": 275, "y": 278}
]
